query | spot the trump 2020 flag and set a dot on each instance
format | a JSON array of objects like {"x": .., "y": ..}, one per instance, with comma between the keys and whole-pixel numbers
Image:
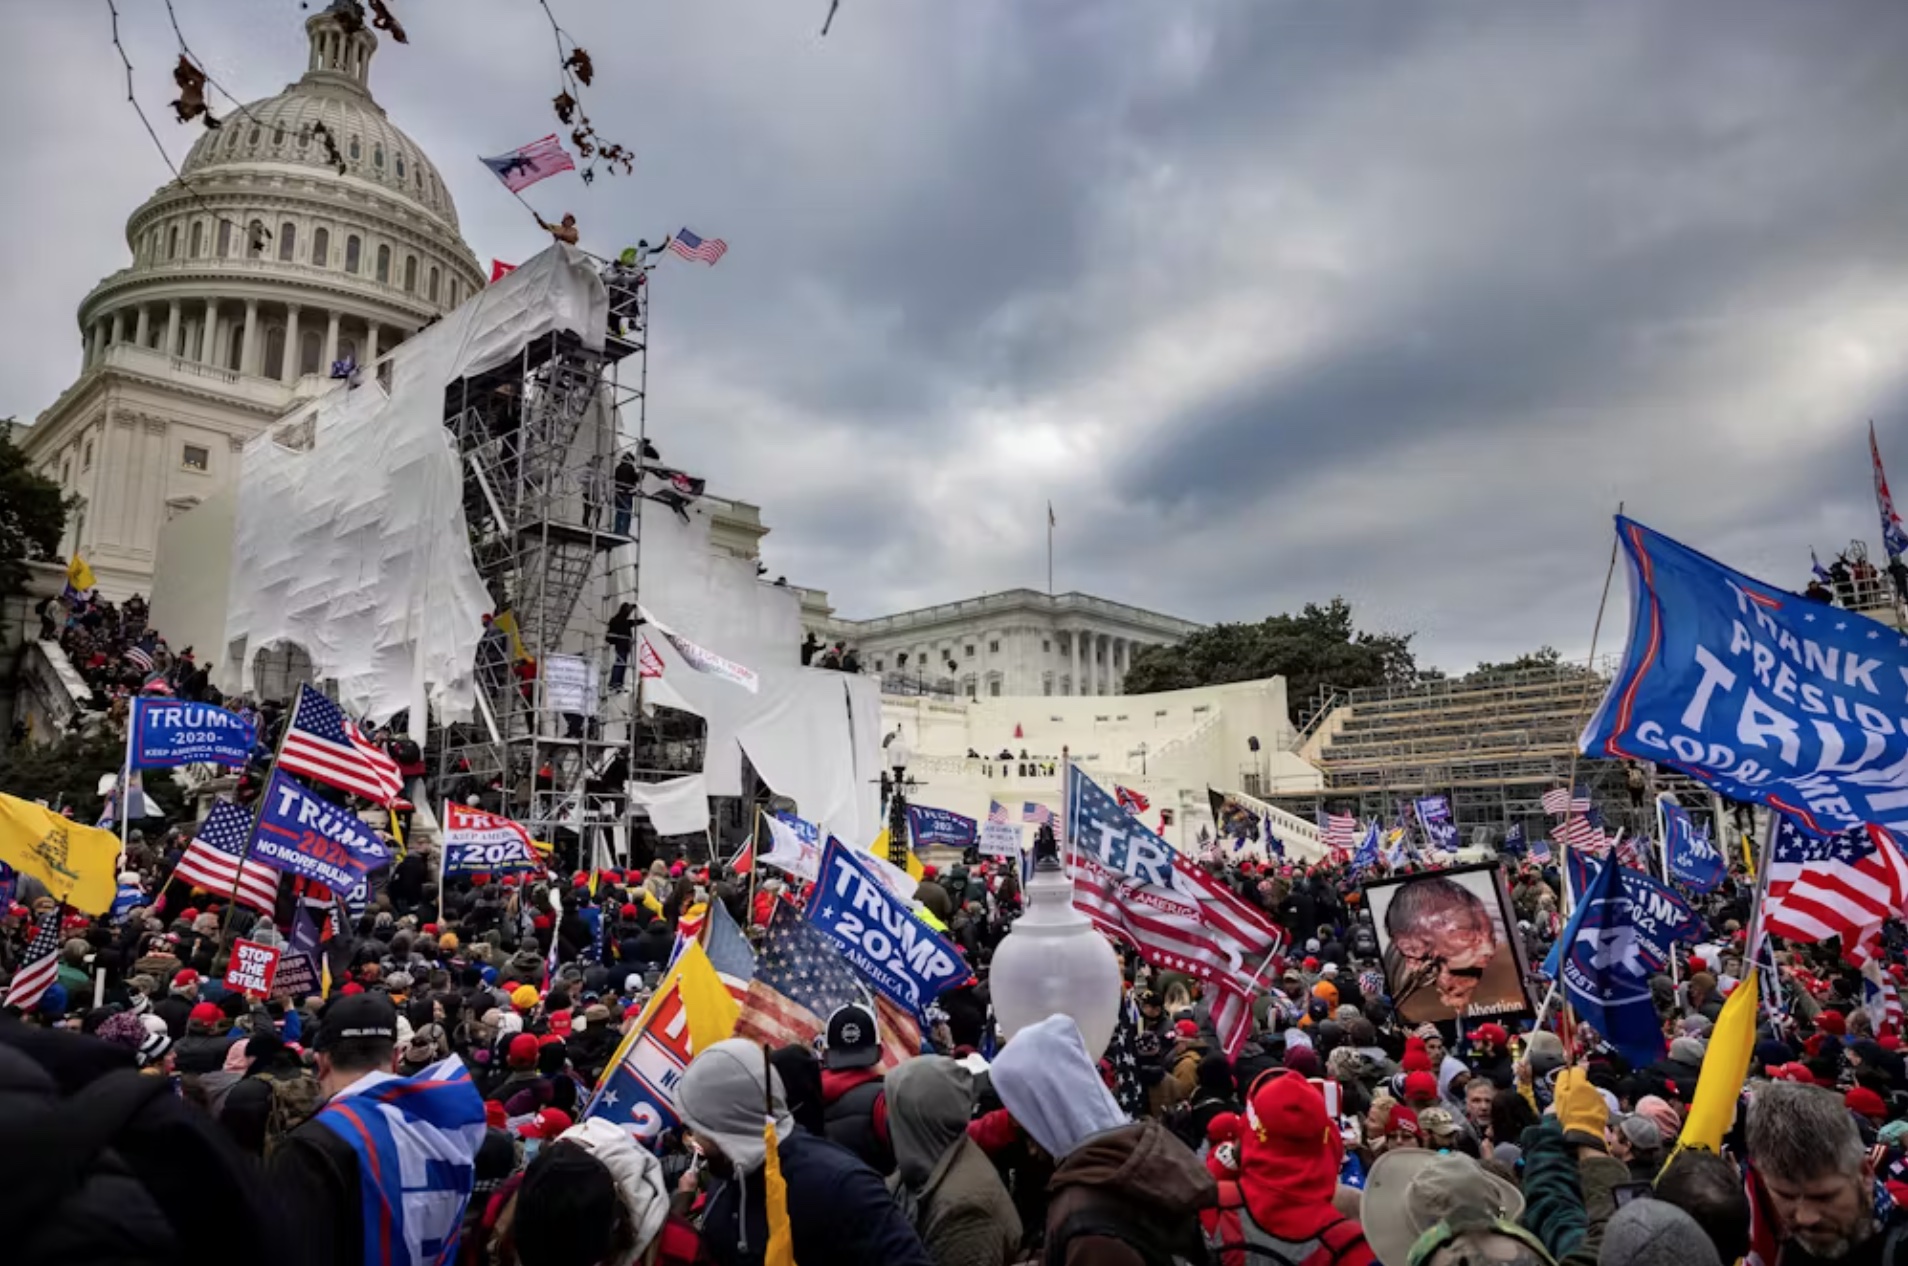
[
  {"x": 1434, "y": 815},
  {"x": 1694, "y": 860},
  {"x": 1367, "y": 854},
  {"x": 167, "y": 732},
  {"x": 878, "y": 934},
  {"x": 1763, "y": 695},
  {"x": 1605, "y": 973},
  {"x": 938, "y": 826},
  {"x": 304, "y": 835}
]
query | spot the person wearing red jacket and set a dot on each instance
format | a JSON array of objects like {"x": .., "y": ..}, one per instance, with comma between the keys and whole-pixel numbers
[
  {"x": 1290, "y": 1151},
  {"x": 1224, "y": 1223}
]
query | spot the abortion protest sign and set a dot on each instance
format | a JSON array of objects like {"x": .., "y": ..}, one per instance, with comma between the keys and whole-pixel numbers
[{"x": 252, "y": 968}]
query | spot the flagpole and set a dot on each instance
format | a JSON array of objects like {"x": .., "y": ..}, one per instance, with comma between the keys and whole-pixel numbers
[
  {"x": 1050, "y": 549},
  {"x": 755, "y": 858},
  {"x": 1590, "y": 666},
  {"x": 125, "y": 775},
  {"x": 1662, "y": 836},
  {"x": 443, "y": 857},
  {"x": 258, "y": 812}
]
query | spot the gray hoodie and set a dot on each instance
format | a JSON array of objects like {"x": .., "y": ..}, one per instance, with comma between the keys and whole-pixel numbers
[
  {"x": 930, "y": 1100},
  {"x": 721, "y": 1098},
  {"x": 1051, "y": 1087}
]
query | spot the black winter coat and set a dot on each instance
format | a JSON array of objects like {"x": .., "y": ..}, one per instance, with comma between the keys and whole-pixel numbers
[{"x": 838, "y": 1209}]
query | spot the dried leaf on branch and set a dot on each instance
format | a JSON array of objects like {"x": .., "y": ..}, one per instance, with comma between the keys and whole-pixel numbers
[
  {"x": 565, "y": 106},
  {"x": 384, "y": 20},
  {"x": 332, "y": 155},
  {"x": 581, "y": 139},
  {"x": 579, "y": 61},
  {"x": 191, "y": 102}
]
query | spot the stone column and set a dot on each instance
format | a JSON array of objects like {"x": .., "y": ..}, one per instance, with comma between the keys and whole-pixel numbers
[
  {"x": 142, "y": 325},
  {"x": 331, "y": 342},
  {"x": 208, "y": 333},
  {"x": 119, "y": 326},
  {"x": 370, "y": 342},
  {"x": 248, "y": 349},
  {"x": 99, "y": 341},
  {"x": 172, "y": 328},
  {"x": 1073, "y": 641},
  {"x": 292, "y": 357}
]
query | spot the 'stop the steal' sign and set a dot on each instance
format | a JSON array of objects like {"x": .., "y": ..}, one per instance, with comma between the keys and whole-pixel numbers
[
  {"x": 252, "y": 968},
  {"x": 1100, "y": 828},
  {"x": 161, "y": 733},
  {"x": 1762, "y": 694},
  {"x": 879, "y": 934}
]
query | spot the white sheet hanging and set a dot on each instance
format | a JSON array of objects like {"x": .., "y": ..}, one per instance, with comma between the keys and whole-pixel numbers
[{"x": 679, "y": 806}]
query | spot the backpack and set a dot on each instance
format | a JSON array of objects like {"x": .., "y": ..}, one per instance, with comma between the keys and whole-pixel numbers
[
  {"x": 294, "y": 1101},
  {"x": 1152, "y": 1247},
  {"x": 1264, "y": 1249}
]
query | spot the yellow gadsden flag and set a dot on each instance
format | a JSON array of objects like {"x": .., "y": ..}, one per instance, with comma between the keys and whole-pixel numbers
[
  {"x": 1725, "y": 1066},
  {"x": 76, "y": 863},
  {"x": 79, "y": 575}
]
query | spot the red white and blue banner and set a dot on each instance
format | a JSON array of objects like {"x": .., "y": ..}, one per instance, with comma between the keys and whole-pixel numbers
[
  {"x": 1761, "y": 694},
  {"x": 878, "y": 933}
]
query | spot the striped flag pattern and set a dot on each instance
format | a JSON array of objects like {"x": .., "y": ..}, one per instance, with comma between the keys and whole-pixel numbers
[
  {"x": 41, "y": 965},
  {"x": 215, "y": 860},
  {"x": 139, "y": 657},
  {"x": 1337, "y": 831},
  {"x": 1844, "y": 886},
  {"x": 1036, "y": 814},
  {"x": 521, "y": 168},
  {"x": 1558, "y": 801},
  {"x": 997, "y": 813},
  {"x": 1582, "y": 831},
  {"x": 322, "y": 743},
  {"x": 800, "y": 978},
  {"x": 690, "y": 246}
]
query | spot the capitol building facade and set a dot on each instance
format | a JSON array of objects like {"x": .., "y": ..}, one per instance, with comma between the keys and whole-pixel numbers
[{"x": 248, "y": 281}]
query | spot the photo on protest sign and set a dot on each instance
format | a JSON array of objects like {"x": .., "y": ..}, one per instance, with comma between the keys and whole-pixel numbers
[{"x": 1449, "y": 946}]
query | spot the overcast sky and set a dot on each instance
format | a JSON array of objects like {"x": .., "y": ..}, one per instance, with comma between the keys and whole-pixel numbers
[{"x": 1273, "y": 300}]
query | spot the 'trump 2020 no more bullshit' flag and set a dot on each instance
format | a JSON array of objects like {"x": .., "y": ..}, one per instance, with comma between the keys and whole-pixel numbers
[
  {"x": 1763, "y": 695},
  {"x": 299, "y": 833}
]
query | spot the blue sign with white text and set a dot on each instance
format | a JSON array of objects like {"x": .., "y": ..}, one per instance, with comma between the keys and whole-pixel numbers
[
  {"x": 1434, "y": 815},
  {"x": 1694, "y": 860},
  {"x": 1763, "y": 695},
  {"x": 1659, "y": 916},
  {"x": 1100, "y": 828},
  {"x": 1606, "y": 972},
  {"x": 938, "y": 826},
  {"x": 167, "y": 732},
  {"x": 878, "y": 934},
  {"x": 305, "y": 835}
]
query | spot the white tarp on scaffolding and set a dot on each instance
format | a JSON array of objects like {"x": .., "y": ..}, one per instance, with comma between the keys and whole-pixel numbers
[
  {"x": 350, "y": 537},
  {"x": 813, "y": 736}
]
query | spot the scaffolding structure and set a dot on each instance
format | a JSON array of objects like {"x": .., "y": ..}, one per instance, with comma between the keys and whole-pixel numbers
[{"x": 559, "y": 732}]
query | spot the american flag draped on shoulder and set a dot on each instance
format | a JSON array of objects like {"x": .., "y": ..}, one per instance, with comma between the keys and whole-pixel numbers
[
  {"x": 322, "y": 743},
  {"x": 800, "y": 978},
  {"x": 40, "y": 966},
  {"x": 216, "y": 858},
  {"x": 1840, "y": 886}
]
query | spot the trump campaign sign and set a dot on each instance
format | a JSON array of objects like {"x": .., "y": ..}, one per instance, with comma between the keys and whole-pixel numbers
[
  {"x": 300, "y": 833},
  {"x": 878, "y": 934},
  {"x": 161, "y": 733},
  {"x": 938, "y": 826},
  {"x": 1760, "y": 693},
  {"x": 252, "y": 968},
  {"x": 479, "y": 843}
]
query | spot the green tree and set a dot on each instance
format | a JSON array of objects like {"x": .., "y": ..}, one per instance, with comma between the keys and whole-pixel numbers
[
  {"x": 67, "y": 772},
  {"x": 1319, "y": 646},
  {"x": 32, "y": 513},
  {"x": 1544, "y": 657}
]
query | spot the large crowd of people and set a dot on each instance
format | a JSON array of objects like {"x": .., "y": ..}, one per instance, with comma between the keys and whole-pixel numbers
[{"x": 428, "y": 1100}]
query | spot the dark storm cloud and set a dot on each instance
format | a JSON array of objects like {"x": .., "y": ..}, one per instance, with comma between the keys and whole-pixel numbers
[{"x": 1273, "y": 300}]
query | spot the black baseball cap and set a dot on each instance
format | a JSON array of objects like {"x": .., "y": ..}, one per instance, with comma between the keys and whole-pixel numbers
[
  {"x": 854, "y": 1041},
  {"x": 362, "y": 1015}
]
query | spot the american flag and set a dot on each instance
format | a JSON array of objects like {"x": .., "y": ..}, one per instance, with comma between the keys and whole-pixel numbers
[
  {"x": 1337, "y": 831},
  {"x": 1880, "y": 998},
  {"x": 323, "y": 744},
  {"x": 155, "y": 684},
  {"x": 689, "y": 246},
  {"x": 521, "y": 168},
  {"x": 1629, "y": 854},
  {"x": 139, "y": 657},
  {"x": 1582, "y": 830},
  {"x": 216, "y": 857},
  {"x": 800, "y": 978},
  {"x": 1123, "y": 1053},
  {"x": 1131, "y": 800},
  {"x": 728, "y": 951},
  {"x": 1037, "y": 814},
  {"x": 997, "y": 813},
  {"x": 1558, "y": 801},
  {"x": 41, "y": 965},
  {"x": 1843, "y": 886}
]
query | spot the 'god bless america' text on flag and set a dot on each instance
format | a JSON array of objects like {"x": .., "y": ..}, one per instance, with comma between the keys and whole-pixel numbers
[
  {"x": 302, "y": 834},
  {"x": 1763, "y": 695}
]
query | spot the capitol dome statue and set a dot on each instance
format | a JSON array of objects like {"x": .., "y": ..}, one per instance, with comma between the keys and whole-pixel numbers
[{"x": 309, "y": 229}]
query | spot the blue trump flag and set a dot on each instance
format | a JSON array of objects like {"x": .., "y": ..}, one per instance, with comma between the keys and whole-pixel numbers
[
  {"x": 1100, "y": 828},
  {"x": 938, "y": 826},
  {"x": 1514, "y": 840},
  {"x": 1693, "y": 860},
  {"x": 1659, "y": 916},
  {"x": 1434, "y": 815},
  {"x": 1763, "y": 695},
  {"x": 166, "y": 732},
  {"x": 1606, "y": 970},
  {"x": 305, "y": 835},
  {"x": 1367, "y": 854},
  {"x": 878, "y": 934}
]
